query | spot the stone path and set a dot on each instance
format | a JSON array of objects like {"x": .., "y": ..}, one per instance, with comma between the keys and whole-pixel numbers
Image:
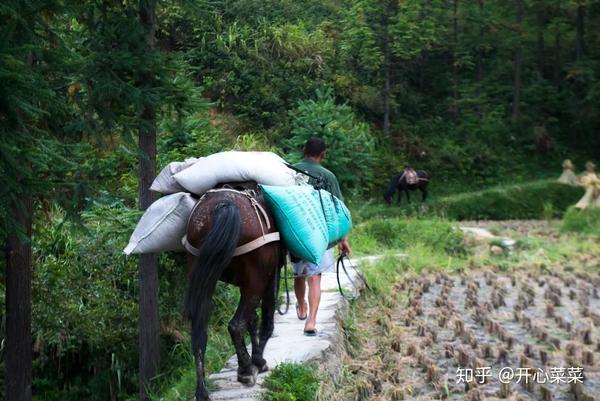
[{"x": 288, "y": 343}]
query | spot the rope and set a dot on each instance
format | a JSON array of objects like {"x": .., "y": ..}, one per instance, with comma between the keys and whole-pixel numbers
[
  {"x": 340, "y": 261},
  {"x": 287, "y": 290}
]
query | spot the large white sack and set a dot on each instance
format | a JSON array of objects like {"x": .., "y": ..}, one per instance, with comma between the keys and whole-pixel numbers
[
  {"x": 162, "y": 225},
  {"x": 164, "y": 183},
  {"x": 263, "y": 167}
]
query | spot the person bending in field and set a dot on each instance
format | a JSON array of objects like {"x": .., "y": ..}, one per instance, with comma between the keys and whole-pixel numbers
[{"x": 307, "y": 272}]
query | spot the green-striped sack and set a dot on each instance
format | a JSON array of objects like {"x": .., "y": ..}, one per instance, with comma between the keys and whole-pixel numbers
[{"x": 309, "y": 220}]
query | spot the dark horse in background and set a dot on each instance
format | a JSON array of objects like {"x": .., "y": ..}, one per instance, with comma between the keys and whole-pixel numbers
[
  {"x": 399, "y": 182},
  {"x": 222, "y": 221}
]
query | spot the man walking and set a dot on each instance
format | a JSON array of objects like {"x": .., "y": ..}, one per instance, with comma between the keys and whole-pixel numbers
[{"x": 307, "y": 272}]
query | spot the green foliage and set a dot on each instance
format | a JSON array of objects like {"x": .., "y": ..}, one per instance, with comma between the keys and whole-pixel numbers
[
  {"x": 586, "y": 221},
  {"x": 522, "y": 201},
  {"x": 291, "y": 382},
  {"x": 350, "y": 142}
]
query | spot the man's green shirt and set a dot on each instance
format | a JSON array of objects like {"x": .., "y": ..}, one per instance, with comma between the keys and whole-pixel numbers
[{"x": 330, "y": 182}]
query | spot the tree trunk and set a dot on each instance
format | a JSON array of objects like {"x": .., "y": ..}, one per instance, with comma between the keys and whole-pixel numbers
[
  {"x": 149, "y": 321},
  {"x": 454, "y": 51},
  {"x": 386, "y": 92},
  {"x": 580, "y": 32},
  {"x": 516, "y": 107},
  {"x": 386, "y": 69},
  {"x": 479, "y": 60},
  {"x": 541, "y": 47},
  {"x": 557, "y": 67},
  {"x": 18, "y": 306}
]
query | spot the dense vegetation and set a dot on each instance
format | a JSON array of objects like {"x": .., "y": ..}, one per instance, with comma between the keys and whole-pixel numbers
[{"x": 480, "y": 93}]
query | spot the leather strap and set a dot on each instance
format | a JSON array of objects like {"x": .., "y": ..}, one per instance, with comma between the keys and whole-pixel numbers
[
  {"x": 257, "y": 243},
  {"x": 240, "y": 250}
]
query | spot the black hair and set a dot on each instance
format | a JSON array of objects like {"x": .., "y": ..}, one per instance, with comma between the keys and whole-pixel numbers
[{"x": 314, "y": 147}]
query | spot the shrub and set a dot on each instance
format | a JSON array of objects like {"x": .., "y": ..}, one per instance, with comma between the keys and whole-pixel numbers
[
  {"x": 351, "y": 143},
  {"x": 291, "y": 382},
  {"x": 523, "y": 201},
  {"x": 585, "y": 221}
]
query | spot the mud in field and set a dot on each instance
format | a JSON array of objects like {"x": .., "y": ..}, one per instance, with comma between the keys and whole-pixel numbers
[{"x": 444, "y": 324}]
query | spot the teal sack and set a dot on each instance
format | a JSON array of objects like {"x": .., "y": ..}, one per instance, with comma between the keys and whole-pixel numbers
[
  {"x": 309, "y": 220},
  {"x": 337, "y": 217}
]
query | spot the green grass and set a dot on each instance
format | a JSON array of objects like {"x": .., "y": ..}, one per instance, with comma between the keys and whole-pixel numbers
[
  {"x": 291, "y": 382},
  {"x": 531, "y": 200},
  {"x": 380, "y": 235},
  {"x": 585, "y": 221}
]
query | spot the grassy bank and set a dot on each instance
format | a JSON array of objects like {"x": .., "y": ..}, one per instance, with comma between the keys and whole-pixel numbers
[
  {"x": 532, "y": 200},
  {"x": 582, "y": 221}
]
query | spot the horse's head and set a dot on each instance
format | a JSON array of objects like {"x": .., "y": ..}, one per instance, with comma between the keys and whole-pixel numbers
[
  {"x": 387, "y": 196},
  {"x": 391, "y": 189}
]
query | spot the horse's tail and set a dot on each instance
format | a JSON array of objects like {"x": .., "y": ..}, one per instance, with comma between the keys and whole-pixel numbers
[
  {"x": 389, "y": 192},
  {"x": 215, "y": 255}
]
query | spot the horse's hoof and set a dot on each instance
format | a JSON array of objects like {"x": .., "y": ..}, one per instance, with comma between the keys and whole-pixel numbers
[
  {"x": 248, "y": 379},
  {"x": 263, "y": 368},
  {"x": 261, "y": 364}
]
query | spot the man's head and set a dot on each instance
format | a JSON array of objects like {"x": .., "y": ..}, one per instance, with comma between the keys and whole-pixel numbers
[{"x": 315, "y": 149}]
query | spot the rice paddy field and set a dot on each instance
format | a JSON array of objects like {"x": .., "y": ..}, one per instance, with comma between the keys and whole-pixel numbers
[{"x": 518, "y": 324}]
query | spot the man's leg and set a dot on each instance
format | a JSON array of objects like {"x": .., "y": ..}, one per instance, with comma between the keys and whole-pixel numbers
[
  {"x": 314, "y": 298},
  {"x": 300, "y": 290}
]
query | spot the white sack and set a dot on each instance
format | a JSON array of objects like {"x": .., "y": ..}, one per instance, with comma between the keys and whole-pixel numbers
[
  {"x": 263, "y": 167},
  {"x": 164, "y": 183},
  {"x": 163, "y": 225}
]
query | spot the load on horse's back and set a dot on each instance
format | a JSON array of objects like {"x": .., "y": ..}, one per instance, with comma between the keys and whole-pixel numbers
[
  {"x": 410, "y": 175},
  {"x": 406, "y": 181}
]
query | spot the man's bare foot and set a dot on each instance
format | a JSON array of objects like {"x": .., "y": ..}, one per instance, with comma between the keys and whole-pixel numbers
[
  {"x": 310, "y": 325},
  {"x": 301, "y": 310},
  {"x": 310, "y": 329}
]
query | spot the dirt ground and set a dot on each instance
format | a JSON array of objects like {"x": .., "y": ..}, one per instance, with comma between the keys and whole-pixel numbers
[{"x": 525, "y": 333}]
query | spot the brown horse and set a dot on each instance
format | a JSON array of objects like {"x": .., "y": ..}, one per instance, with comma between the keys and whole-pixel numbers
[
  {"x": 399, "y": 182},
  {"x": 233, "y": 237}
]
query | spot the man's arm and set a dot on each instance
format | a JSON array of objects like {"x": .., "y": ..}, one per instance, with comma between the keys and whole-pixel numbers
[{"x": 344, "y": 247}]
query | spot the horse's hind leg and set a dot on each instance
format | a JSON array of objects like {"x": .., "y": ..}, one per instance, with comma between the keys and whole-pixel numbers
[
  {"x": 423, "y": 194},
  {"x": 266, "y": 324},
  {"x": 243, "y": 320},
  {"x": 199, "y": 339},
  {"x": 408, "y": 196}
]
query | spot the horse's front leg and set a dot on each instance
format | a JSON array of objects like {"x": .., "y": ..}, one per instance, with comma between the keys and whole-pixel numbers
[
  {"x": 266, "y": 325},
  {"x": 400, "y": 196},
  {"x": 408, "y": 196},
  {"x": 423, "y": 194},
  {"x": 242, "y": 321}
]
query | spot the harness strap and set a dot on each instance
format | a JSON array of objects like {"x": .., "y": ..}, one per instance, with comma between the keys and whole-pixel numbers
[
  {"x": 240, "y": 250},
  {"x": 257, "y": 243}
]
